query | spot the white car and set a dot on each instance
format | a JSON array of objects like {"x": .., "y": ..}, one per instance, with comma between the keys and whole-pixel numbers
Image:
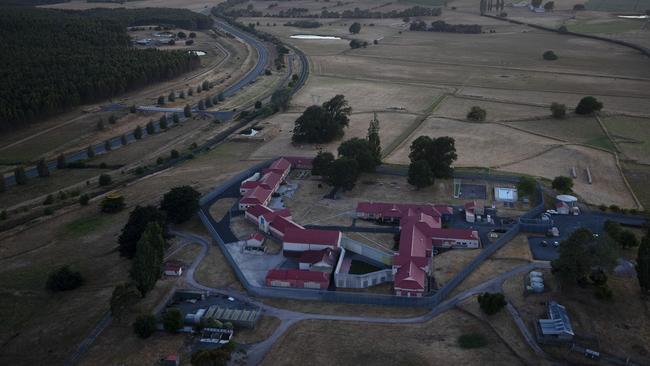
[
  {"x": 230, "y": 298},
  {"x": 556, "y": 244},
  {"x": 552, "y": 212}
]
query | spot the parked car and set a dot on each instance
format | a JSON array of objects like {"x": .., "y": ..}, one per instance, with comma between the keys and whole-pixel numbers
[
  {"x": 552, "y": 212},
  {"x": 556, "y": 244},
  {"x": 544, "y": 243}
]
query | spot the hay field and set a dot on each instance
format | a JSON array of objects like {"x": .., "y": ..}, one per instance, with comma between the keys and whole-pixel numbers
[
  {"x": 583, "y": 130},
  {"x": 478, "y": 144},
  {"x": 608, "y": 186},
  {"x": 391, "y": 125},
  {"x": 366, "y": 96},
  {"x": 457, "y": 108},
  {"x": 430, "y": 343},
  {"x": 632, "y": 136}
]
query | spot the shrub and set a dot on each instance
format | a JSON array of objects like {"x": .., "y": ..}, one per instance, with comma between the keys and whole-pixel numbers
[
  {"x": 64, "y": 279},
  {"x": 112, "y": 204},
  {"x": 472, "y": 340},
  {"x": 48, "y": 211},
  {"x": 476, "y": 114},
  {"x": 602, "y": 207},
  {"x": 558, "y": 110},
  {"x": 172, "y": 320},
  {"x": 83, "y": 199},
  {"x": 588, "y": 105},
  {"x": 603, "y": 293},
  {"x": 549, "y": 56},
  {"x": 491, "y": 303},
  {"x": 614, "y": 208},
  {"x": 105, "y": 180},
  {"x": 578, "y": 7},
  {"x": 174, "y": 154},
  {"x": 144, "y": 325},
  {"x": 562, "y": 184},
  {"x": 48, "y": 200}
]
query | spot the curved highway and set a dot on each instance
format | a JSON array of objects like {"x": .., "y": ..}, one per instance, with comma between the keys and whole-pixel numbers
[{"x": 248, "y": 78}]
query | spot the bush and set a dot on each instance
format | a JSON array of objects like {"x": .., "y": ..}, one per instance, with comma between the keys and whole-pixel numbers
[
  {"x": 83, "y": 199},
  {"x": 614, "y": 208},
  {"x": 174, "y": 154},
  {"x": 105, "y": 180},
  {"x": 602, "y": 207},
  {"x": 172, "y": 320},
  {"x": 578, "y": 7},
  {"x": 549, "y": 56},
  {"x": 112, "y": 204},
  {"x": 180, "y": 203},
  {"x": 603, "y": 293},
  {"x": 472, "y": 340},
  {"x": 144, "y": 325},
  {"x": 588, "y": 105},
  {"x": 64, "y": 279},
  {"x": 558, "y": 110},
  {"x": 48, "y": 200},
  {"x": 562, "y": 184},
  {"x": 476, "y": 114},
  {"x": 48, "y": 211},
  {"x": 491, "y": 303}
]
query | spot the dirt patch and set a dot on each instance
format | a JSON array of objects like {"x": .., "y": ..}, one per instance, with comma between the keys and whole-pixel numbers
[{"x": 447, "y": 264}]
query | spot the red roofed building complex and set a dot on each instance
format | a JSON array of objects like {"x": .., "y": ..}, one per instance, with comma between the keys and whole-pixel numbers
[
  {"x": 319, "y": 260},
  {"x": 297, "y": 278},
  {"x": 259, "y": 191},
  {"x": 394, "y": 212},
  {"x": 271, "y": 222},
  {"x": 298, "y": 240},
  {"x": 256, "y": 196}
]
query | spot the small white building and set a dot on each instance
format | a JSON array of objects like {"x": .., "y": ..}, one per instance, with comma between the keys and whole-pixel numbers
[{"x": 505, "y": 194}]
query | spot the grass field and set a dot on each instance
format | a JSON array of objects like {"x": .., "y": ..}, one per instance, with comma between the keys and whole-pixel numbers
[
  {"x": 583, "y": 130},
  {"x": 618, "y": 5},
  {"x": 632, "y": 136},
  {"x": 615, "y": 26},
  {"x": 433, "y": 342}
]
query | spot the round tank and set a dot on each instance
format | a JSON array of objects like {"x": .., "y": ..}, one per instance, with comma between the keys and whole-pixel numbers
[
  {"x": 536, "y": 280},
  {"x": 537, "y": 287},
  {"x": 536, "y": 274}
]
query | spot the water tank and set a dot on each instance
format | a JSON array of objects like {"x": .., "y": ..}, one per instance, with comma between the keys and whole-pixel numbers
[
  {"x": 537, "y": 287},
  {"x": 536, "y": 280},
  {"x": 536, "y": 274}
]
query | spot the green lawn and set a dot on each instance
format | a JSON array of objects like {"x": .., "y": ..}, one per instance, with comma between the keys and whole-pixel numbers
[
  {"x": 632, "y": 135},
  {"x": 83, "y": 226},
  {"x": 583, "y": 130}
]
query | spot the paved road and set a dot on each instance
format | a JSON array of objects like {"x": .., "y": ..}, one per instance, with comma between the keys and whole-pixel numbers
[{"x": 258, "y": 351}]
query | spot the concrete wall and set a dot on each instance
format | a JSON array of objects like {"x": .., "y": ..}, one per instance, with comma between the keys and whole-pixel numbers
[
  {"x": 346, "y": 280},
  {"x": 366, "y": 251}
]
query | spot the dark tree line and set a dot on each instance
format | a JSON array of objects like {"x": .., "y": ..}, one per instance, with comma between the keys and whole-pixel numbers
[
  {"x": 54, "y": 60},
  {"x": 442, "y": 26}
]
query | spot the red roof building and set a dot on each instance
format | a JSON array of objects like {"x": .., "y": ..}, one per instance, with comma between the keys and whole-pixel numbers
[
  {"x": 256, "y": 196},
  {"x": 296, "y": 241},
  {"x": 318, "y": 260},
  {"x": 281, "y": 166},
  {"x": 297, "y": 278},
  {"x": 280, "y": 225},
  {"x": 410, "y": 280},
  {"x": 455, "y": 238},
  {"x": 173, "y": 268}
]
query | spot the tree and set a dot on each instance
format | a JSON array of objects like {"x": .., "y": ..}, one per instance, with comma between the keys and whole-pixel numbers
[
  {"x": 100, "y": 125},
  {"x": 133, "y": 108},
  {"x": 198, "y": 88},
  {"x": 420, "y": 174},
  {"x": 64, "y": 279},
  {"x": 3, "y": 183},
  {"x": 181, "y": 35},
  {"x": 578, "y": 7},
  {"x": 174, "y": 154},
  {"x": 48, "y": 200},
  {"x": 162, "y": 122},
  {"x": 192, "y": 35},
  {"x": 83, "y": 199},
  {"x": 205, "y": 85},
  {"x": 187, "y": 111},
  {"x": 19, "y": 175},
  {"x": 190, "y": 91},
  {"x": 258, "y": 104},
  {"x": 343, "y": 173},
  {"x": 221, "y": 97},
  {"x": 172, "y": 96},
  {"x": 575, "y": 261},
  {"x": 150, "y": 128},
  {"x": 148, "y": 258},
  {"x": 61, "y": 162},
  {"x": 359, "y": 149},
  {"x": 627, "y": 239},
  {"x": 124, "y": 296},
  {"x": 180, "y": 203},
  {"x": 208, "y": 102},
  {"x": 212, "y": 357},
  {"x": 613, "y": 229},
  {"x": 476, "y": 114},
  {"x": 181, "y": 94},
  {"x": 549, "y": 6},
  {"x": 491, "y": 303},
  {"x": 161, "y": 100},
  {"x": 355, "y": 28},
  {"x": 322, "y": 163},
  {"x": 112, "y": 119},
  {"x": 562, "y": 184},
  {"x": 643, "y": 264},
  {"x": 558, "y": 110},
  {"x": 373, "y": 139},
  {"x": 90, "y": 151},
  {"x": 526, "y": 186},
  {"x": 144, "y": 325},
  {"x": 172, "y": 320},
  {"x": 104, "y": 179},
  {"x": 176, "y": 118},
  {"x": 549, "y": 55},
  {"x": 536, "y": 3},
  {"x": 139, "y": 218},
  {"x": 440, "y": 153},
  {"x": 588, "y": 105},
  {"x": 137, "y": 133},
  {"x": 107, "y": 145},
  {"x": 42, "y": 168},
  {"x": 280, "y": 99},
  {"x": 323, "y": 123},
  {"x": 357, "y": 43}
]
